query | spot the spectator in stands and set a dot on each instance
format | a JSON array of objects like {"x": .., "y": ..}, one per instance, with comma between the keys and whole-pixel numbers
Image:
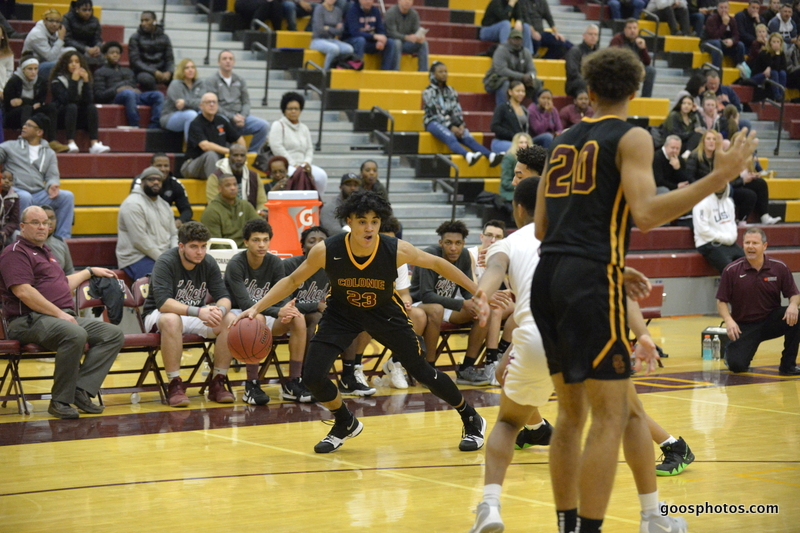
[
  {"x": 84, "y": 32},
  {"x": 26, "y": 94},
  {"x": 210, "y": 136},
  {"x": 685, "y": 123},
  {"x": 226, "y": 215},
  {"x": 46, "y": 41},
  {"x": 263, "y": 10},
  {"x": 249, "y": 183},
  {"x": 172, "y": 190},
  {"x": 725, "y": 95},
  {"x": 771, "y": 63},
  {"x": 56, "y": 244},
  {"x": 234, "y": 101},
  {"x": 182, "y": 279},
  {"x": 9, "y": 210},
  {"x": 182, "y": 103},
  {"x": 496, "y": 24},
  {"x": 695, "y": 87},
  {"x": 755, "y": 313},
  {"x": 722, "y": 33},
  {"x": 278, "y": 173},
  {"x": 535, "y": 13},
  {"x": 250, "y": 275},
  {"x": 675, "y": 13},
  {"x": 6, "y": 60},
  {"x": 545, "y": 123},
  {"x": 35, "y": 169},
  {"x": 751, "y": 192},
  {"x": 784, "y": 24},
  {"x": 349, "y": 184},
  {"x": 793, "y": 64},
  {"x": 626, "y": 8},
  {"x": 327, "y": 27},
  {"x": 150, "y": 52},
  {"x": 575, "y": 82},
  {"x": 710, "y": 118},
  {"x": 114, "y": 83},
  {"x": 518, "y": 142},
  {"x": 291, "y": 139},
  {"x": 509, "y": 62},
  {"x": 365, "y": 31},
  {"x": 715, "y": 230},
  {"x": 669, "y": 169},
  {"x": 760, "y": 42},
  {"x": 773, "y": 11},
  {"x": 402, "y": 25},
  {"x": 746, "y": 21},
  {"x": 145, "y": 226},
  {"x": 699, "y": 10},
  {"x": 444, "y": 118},
  {"x": 38, "y": 303},
  {"x": 444, "y": 301},
  {"x": 369, "y": 180},
  {"x": 629, "y": 38},
  {"x": 573, "y": 113},
  {"x": 510, "y": 118},
  {"x": 292, "y": 9},
  {"x": 71, "y": 87}
]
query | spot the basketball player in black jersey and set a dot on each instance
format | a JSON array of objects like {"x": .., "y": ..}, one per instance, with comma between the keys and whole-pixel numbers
[
  {"x": 598, "y": 175},
  {"x": 362, "y": 267}
]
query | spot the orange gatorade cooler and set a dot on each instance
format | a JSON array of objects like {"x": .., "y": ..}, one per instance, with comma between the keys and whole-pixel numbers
[{"x": 290, "y": 213}]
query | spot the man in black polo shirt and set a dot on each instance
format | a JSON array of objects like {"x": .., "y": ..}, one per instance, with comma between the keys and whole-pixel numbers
[
  {"x": 753, "y": 286},
  {"x": 210, "y": 137}
]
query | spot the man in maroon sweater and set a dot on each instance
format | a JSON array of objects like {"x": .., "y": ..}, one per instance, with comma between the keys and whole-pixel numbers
[
  {"x": 630, "y": 38},
  {"x": 723, "y": 33}
]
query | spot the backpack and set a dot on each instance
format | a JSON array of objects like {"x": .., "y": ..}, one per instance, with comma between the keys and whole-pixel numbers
[
  {"x": 349, "y": 62},
  {"x": 301, "y": 180}
]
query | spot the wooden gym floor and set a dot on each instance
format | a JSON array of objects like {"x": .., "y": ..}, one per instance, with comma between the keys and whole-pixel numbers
[{"x": 146, "y": 468}]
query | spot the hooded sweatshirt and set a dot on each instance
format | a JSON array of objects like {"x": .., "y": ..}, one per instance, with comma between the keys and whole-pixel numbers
[
  {"x": 440, "y": 103},
  {"x": 292, "y": 141},
  {"x": 715, "y": 220},
  {"x": 18, "y": 86},
  {"x": 45, "y": 45},
  {"x": 146, "y": 226},
  {"x": 227, "y": 221},
  {"x": 30, "y": 176},
  {"x": 250, "y": 188}
]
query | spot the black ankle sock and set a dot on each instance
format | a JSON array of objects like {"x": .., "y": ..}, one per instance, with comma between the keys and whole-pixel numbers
[
  {"x": 348, "y": 368},
  {"x": 588, "y": 525},
  {"x": 468, "y": 362},
  {"x": 342, "y": 415},
  {"x": 491, "y": 355},
  {"x": 466, "y": 411},
  {"x": 502, "y": 346},
  {"x": 567, "y": 520},
  {"x": 358, "y": 358}
]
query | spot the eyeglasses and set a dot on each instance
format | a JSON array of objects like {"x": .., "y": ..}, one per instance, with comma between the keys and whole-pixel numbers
[
  {"x": 38, "y": 223},
  {"x": 492, "y": 237}
]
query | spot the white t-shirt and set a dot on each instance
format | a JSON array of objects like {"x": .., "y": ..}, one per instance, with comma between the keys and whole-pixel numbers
[
  {"x": 403, "y": 280},
  {"x": 33, "y": 152},
  {"x": 477, "y": 271}
]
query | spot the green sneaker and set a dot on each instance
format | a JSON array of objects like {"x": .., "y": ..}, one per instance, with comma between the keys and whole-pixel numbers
[{"x": 677, "y": 456}]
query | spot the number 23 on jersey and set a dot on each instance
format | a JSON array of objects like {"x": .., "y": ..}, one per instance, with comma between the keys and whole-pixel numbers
[
  {"x": 358, "y": 299},
  {"x": 572, "y": 171}
]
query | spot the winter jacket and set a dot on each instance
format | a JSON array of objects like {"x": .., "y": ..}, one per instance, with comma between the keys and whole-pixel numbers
[
  {"x": 13, "y": 90},
  {"x": 534, "y": 12},
  {"x": 9, "y": 216},
  {"x": 506, "y": 124},
  {"x": 82, "y": 34},
  {"x": 620, "y": 40},
  {"x": 789, "y": 30},
  {"x": 509, "y": 64},
  {"x": 150, "y": 52},
  {"x": 714, "y": 220},
  {"x": 675, "y": 125},
  {"x": 292, "y": 141},
  {"x": 573, "y": 61},
  {"x": 747, "y": 26},
  {"x": 764, "y": 59},
  {"x": 108, "y": 79},
  {"x": 497, "y": 11},
  {"x": 232, "y": 100},
  {"x": 68, "y": 91},
  {"x": 46, "y": 46},
  {"x": 715, "y": 29},
  {"x": 358, "y": 23},
  {"x": 145, "y": 226},
  {"x": 179, "y": 90},
  {"x": 30, "y": 177},
  {"x": 250, "y": 188},
  {"x": 227, "y": 221},
  {"x": 441, "y": 104}
]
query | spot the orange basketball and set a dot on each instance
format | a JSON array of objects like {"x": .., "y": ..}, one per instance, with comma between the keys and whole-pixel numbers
[{"x": 250, "y": 340}]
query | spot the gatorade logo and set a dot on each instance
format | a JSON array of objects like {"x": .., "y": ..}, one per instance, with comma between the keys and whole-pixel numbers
[{"x": 306, "y": 218}]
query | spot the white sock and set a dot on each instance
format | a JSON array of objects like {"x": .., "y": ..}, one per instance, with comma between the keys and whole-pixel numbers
[
  {"x": 218, "y": 371},
  {"x": 491, "y": 494},
  {"x": 534, "y": 426},
  {"x": 670, "y": 440},
  {"x": 173, "y": 375},
  {"x": 649, "y": 503}
]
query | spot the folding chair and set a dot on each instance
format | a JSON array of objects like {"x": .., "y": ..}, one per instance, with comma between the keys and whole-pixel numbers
[{"x": 446, "y": 331}]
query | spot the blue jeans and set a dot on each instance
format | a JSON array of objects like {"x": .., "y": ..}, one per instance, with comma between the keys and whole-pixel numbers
[
  {"x": 499, "y": 31},
  {"x": 543, "y": 140},
  {"x": 778, "y": 76},
  {"x": 499, "y": 146},
  {"x": 698, "y": 22},
  {"x": 633, "y": 10},
  {"x": 361, "y": 46},
  {"x": 130, "y": 99},
  {"x": 556, "y": 49},
  {"x": 291, "y": 11},
  {"x": 332, "y": 48},
  {"x": 649, "y": 81},
  {"x": 736, "y": 52},
  {"x": 45, "y": 67},
  {"x": 63, "y": 205},
  {"x": 258, "y": 128},
  {"x": 438, "y": 130},
  {"x": 405, "y": 47},
  {"x": 140, "y": 268},
  {"x": 180, "y": 121}
]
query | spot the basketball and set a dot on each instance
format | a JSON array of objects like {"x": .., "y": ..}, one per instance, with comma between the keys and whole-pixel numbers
[{"x": 250, "y": 340}]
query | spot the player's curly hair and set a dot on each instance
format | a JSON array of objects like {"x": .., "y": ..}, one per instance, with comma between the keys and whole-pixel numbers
[
  {"x": 525, "y": 194},
  {"x": 257, "y": 225},
  {"x": 613, "y": 73},
  {"x": 193, "y": 231},
  {"x": 533, "y": 157},
  {"x": 362, "y": 202},
  {"x": 390, "y": 225},
  {"x": 309, "y": 231},
  {"x": 452, "y": 226}
]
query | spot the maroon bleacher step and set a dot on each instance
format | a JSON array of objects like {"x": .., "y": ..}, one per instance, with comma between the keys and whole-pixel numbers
[{"x": 110, "y": 165}]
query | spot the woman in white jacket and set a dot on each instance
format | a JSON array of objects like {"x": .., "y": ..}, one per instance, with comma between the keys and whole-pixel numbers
[
  {"x": 291, "y": 139},
  {"x": 715, "y": 230}
]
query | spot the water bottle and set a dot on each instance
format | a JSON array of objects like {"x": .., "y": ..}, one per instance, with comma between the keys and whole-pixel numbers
[
  {"x": 716, "y": 347},
  {"x": 707, "y": 351}
]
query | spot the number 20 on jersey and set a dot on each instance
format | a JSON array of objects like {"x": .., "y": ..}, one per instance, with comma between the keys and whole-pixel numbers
[{"x": 572, "y": 172}]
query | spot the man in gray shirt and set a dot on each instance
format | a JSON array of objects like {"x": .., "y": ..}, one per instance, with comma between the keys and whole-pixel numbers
[
  {"x": 57, "y": 245},
  {"x": 402, "y": 25},
  {"x": 327, "y": 218}
]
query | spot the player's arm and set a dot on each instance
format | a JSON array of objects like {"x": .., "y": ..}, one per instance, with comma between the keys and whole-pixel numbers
[
  {"x": 314, "y": 261},
  {"x": 408, "y": 253},
  {"x": 645, "y": 349},
  {"x": 540, "y": 213},
  {"x": 493, "y": 276},
  {"x": 635, "y": 161}
]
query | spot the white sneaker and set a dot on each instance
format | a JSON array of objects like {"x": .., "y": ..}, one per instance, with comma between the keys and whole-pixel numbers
[
  {"x": 98, "y": 148},
  {"x": 395, "y": 373},
  {"x": 495, "y": 159},
  {"x": 360, "y": 377},
  {"x": 472, "y": 157},
  {"x": 768, "y": 220},
  {"x": 488, "y": 519},
  {"x": 72, "y": 148},
  {"x": 656, "y": 523},
  {"x": 489, "y": 370}
]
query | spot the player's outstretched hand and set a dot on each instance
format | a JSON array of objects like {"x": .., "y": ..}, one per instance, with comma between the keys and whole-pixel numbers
[
  {"x": 288, "y": 312},
  {"x": 645, "y": 352},
  {"x": 247, "y": 313},
  {"x": 732, "y": 161},
  {"x": 483, "y": 308},
  {"x": 637, "y": 285}
]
